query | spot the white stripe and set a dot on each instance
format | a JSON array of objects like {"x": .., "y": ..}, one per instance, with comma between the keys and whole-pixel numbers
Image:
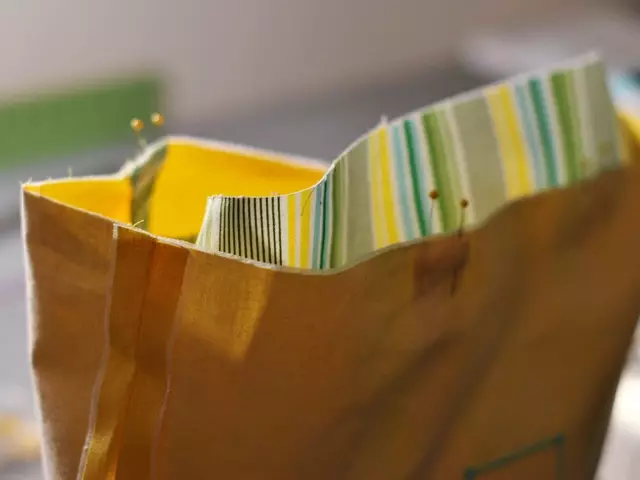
[
  {"x": 254, "y": 231},
  {"x": 284, "y": 233},
  {"x": 312, "y": 216},
  {"x": 215, "y": 206},
  {"x": 241, "y": 239},
  {"x": 298, "y": 214},
  {"x": 259, "y": 230},
  {"x": 320, "y": 211}
]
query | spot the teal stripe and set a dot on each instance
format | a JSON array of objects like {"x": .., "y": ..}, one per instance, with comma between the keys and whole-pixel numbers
[
  {"x": 401, "y": 180},
  {"x": 416, "y": 173},
  {"x": 437, "y": 153},
  {"x": 544, "y": 129},
  {"x": 317, "y": 225},
  {"x": 533, "y": 140},
  {"x": 559, "y": 88},
  {"x": 325, "y": 222}
]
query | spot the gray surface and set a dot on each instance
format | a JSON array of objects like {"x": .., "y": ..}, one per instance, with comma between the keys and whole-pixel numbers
[{"x": 322, "y": 128}]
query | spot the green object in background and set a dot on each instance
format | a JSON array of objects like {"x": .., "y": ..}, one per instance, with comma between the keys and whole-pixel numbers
[{"x": 54, "y": 125}]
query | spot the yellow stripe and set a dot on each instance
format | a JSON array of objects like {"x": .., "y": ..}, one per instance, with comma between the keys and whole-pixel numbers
[
  {"x": 512, "y": 145},
  {"x": 377, "y": 213},
  {"x": 630, "y": 131},
  {"x": 291, "y": 229},
  {"x": 388, "y": 198},
  {"x": 306, "y": 201}
]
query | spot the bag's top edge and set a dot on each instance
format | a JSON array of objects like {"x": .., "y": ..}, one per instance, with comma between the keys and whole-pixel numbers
[
  {"x": 315, "y": 201},
  {"x": 504, "y": 211},
  {"x": 178, "y": 243},
  {"x": 591, "y": 58},
  {"x": 169, "y": 140},
  {"x": 217, "y": 145}
]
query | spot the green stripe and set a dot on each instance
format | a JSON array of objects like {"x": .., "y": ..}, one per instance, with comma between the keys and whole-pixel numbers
[
  {"x": 337, "y": 208},
  {"x": 415, "y": 176},
  {"x": 576, "y": 121},
  {"x": 560, "y": 89},
  {"x": 360, "y": 237},
  {"x": 450, "y": 158},
  {"x": 437, "y": 154},
  {"x": 53, "y": 125},
  {"x": 544, "y": 128}
]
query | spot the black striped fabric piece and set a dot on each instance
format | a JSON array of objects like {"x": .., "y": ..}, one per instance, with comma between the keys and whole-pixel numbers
[{"x": 251, "y": 228}]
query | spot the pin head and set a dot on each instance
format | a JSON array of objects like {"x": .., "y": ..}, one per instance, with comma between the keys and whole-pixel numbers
[
  {"x": 464, "y": 203},
  {"x": 157, "y": 119},
  {"x": 137, "y": 125},
  {"x": 433, "y": 194}
]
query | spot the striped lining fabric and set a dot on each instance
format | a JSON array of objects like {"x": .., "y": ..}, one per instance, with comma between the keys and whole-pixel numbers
[
  {"x": 143, "y": 178},
  {"x": 490, "y": 147}
]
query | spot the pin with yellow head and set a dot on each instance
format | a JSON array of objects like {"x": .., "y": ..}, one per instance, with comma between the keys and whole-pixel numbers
[{"x": 137, "y": 126}]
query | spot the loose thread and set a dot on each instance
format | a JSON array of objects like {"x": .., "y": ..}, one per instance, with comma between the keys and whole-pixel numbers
[{"x": 304, "y": 205}]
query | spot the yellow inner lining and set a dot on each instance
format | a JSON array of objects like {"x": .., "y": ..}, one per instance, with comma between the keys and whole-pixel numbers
[{"x": 190, "y": 173}]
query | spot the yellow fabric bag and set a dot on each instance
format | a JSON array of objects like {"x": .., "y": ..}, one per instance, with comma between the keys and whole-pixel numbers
[{"x": 488, "y": 354}]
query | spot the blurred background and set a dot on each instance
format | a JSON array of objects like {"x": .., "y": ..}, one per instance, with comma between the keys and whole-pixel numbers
[{"x": 290, "y": 75}]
